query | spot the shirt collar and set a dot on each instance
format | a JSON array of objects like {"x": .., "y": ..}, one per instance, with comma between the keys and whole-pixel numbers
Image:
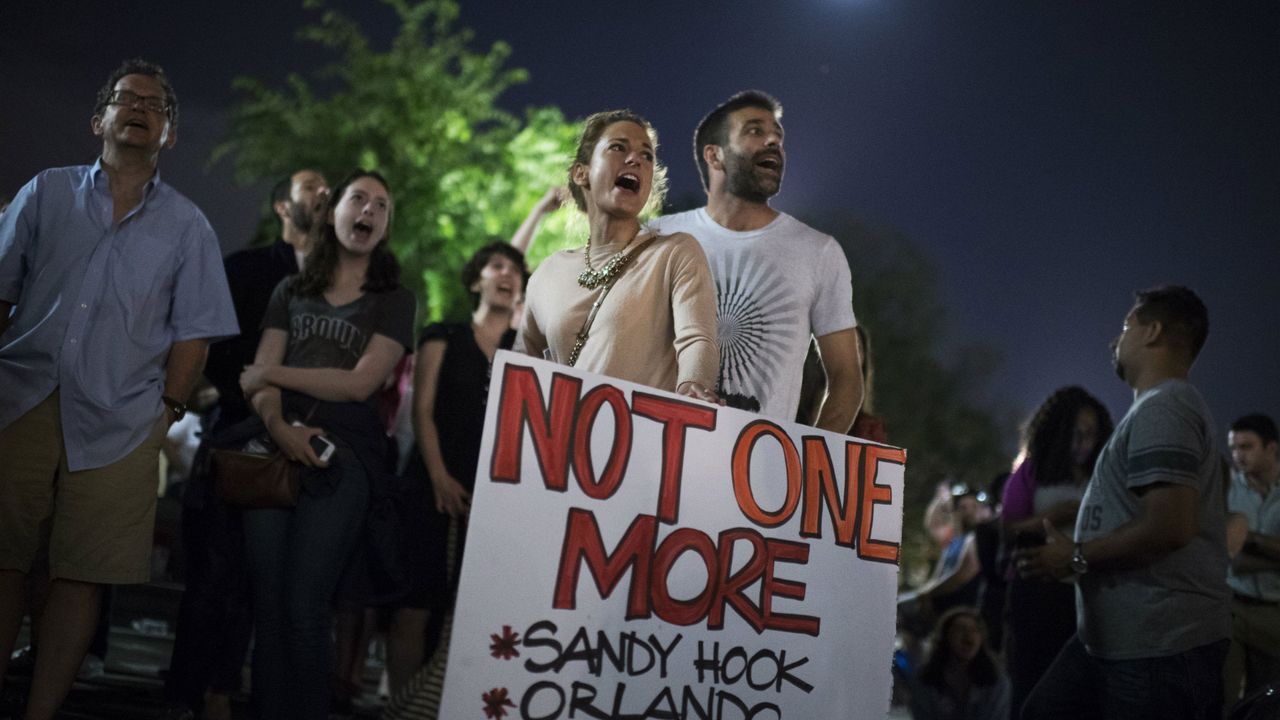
[{"x": 97, "y": 172}]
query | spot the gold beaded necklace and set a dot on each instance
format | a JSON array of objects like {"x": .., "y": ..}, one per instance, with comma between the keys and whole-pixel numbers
[{"x": 592, "y": 278}]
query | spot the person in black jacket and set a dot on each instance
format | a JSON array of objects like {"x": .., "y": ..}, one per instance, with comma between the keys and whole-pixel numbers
[{"x": 213, "y": 630}]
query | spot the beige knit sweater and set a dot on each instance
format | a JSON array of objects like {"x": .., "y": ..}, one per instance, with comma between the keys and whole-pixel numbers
[{"x": 657, "y": 327}]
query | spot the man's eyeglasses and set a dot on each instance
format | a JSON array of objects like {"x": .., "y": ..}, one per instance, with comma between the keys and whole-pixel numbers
[{"x": 133, "y": 100}]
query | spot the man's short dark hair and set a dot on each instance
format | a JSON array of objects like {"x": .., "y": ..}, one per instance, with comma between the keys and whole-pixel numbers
[
  {"x": 714, "y": 128},
  {"x": 282, "y": 191},
  {"x": 138, "y": 66},
  {"x": 1179, "y": 310},
  {"x": 471, "y": 271},
  {"x": 1261, "y": 425}
]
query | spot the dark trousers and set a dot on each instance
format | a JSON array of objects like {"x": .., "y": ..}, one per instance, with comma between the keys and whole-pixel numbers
[
  {"x": 296, "y": 558},
  {"x": 1078, "y": 685},
  {"x": 1042, "y": 618},
  {"x": 214, "y": 624},
  {"x": 1255, "y": 647}
]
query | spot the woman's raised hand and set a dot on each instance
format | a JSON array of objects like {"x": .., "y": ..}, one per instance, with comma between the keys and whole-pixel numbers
[{"x": 552, "y": 199}]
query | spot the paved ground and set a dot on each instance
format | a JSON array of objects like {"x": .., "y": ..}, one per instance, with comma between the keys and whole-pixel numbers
[
  {"x": 129, "y": 697},
  {"x": 124, "y": 697},
  {"x": 141, "y": 640},
  {"x": 118, "y": 696}
]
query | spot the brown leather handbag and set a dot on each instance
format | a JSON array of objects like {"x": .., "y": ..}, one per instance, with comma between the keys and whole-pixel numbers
[{"x": 254, "y": 479}]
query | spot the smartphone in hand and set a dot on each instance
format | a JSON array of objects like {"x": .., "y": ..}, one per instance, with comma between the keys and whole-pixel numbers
[{"x": 322, "y": 446}]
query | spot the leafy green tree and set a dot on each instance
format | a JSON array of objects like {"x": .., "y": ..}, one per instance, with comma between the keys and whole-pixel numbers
[{"x": 424, "y": 113}]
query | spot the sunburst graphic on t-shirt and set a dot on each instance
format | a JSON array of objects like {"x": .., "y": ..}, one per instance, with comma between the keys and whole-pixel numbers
[{"x": 756, "y": 324}]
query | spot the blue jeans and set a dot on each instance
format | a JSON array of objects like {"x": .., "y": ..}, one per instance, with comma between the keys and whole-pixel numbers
[
  {"x": 1078, "y": 685},
  {"x": 296, "y": 559}
]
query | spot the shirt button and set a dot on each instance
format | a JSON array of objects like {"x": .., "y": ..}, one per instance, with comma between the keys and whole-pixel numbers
[
  {"x": 84, "y": 305},
  {"x": 73, "y": 341}
]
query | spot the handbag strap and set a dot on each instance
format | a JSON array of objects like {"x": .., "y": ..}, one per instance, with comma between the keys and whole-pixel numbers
[{"x": 581, "y": 338}]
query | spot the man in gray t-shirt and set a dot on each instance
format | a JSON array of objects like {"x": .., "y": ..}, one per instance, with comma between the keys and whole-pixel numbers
[{"x": 1149, "y": 552}]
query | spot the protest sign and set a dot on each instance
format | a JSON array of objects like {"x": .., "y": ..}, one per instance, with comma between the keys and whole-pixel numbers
[{"x": 633, "y": 554}]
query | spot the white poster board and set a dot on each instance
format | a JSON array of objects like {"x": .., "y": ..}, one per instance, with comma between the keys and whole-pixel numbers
[{"x": 634, "y": 554}]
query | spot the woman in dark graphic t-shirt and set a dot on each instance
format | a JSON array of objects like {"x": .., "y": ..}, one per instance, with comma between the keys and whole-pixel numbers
[{"x": 331, "y": 337}]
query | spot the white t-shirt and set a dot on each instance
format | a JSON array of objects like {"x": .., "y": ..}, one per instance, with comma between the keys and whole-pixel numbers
[{"x": 775, "y": 287}]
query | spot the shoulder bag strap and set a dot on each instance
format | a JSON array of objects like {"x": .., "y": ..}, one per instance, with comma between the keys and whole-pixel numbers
[{"x": 584, "y": 333}]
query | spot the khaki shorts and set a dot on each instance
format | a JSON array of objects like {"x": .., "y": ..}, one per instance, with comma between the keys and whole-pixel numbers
[{"x": 99, "y": 522}]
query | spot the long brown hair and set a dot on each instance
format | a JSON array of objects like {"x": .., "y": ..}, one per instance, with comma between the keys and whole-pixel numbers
[
  {"x": 317, "y": 274},
  {"x": 1048, "y": 435},
  {"x": 982, "y": 670}
]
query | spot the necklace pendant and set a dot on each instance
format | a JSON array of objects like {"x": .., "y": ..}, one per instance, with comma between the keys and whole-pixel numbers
[{"x": 591, "y": 278}]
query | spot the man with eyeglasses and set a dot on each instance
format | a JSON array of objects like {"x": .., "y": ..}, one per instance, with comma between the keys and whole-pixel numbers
[{"x": 111, "y": 287}]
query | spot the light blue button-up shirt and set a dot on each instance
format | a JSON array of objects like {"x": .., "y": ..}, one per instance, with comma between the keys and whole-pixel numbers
[
  {"x": 97, "y": 305},
  {"x": 1263, "y": 514}
]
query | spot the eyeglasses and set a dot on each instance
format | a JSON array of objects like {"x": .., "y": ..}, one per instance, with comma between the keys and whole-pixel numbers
[{"x": 132, "y": 100}]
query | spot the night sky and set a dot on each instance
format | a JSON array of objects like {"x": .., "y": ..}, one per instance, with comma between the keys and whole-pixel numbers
[{"x": 1049, "y": 158}]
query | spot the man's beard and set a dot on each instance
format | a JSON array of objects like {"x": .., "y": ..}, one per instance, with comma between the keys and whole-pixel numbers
[
  {"x": 743, "y": 180},
  {"x": 301, "y": 216},
  {"x": 1115, "y": 362}
]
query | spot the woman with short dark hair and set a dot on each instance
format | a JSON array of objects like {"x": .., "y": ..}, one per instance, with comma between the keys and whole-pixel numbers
[{"x": 450, "y": 388}]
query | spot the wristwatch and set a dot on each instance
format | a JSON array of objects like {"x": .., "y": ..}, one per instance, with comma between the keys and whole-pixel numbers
[
  {"x": 174, "y": 406},
  {"x": 1079, "y": 565}
]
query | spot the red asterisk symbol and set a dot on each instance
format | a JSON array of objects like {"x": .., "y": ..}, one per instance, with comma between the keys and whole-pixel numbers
[
  {"x": 504, "y": 647},
  {"x": 496, "y": 703}
]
